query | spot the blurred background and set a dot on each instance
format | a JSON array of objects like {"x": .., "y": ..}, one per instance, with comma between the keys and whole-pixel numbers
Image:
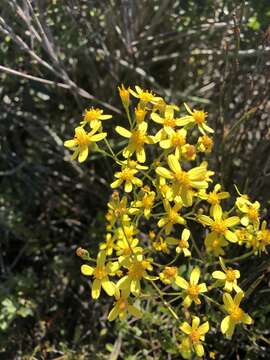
[{"x": 56, "y": 59}]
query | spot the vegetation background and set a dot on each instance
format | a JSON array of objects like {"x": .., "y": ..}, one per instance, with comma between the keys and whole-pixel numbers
[{"x": 56, "y": 59}]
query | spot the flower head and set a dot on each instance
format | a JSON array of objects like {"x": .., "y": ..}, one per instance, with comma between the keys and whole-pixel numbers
[
  {"x": 122, "y": 307},
  {"x": 83, "y": 141},
  {"x": 93, "y": 117},
  {"x": 197, "y": 117},
  {"x": 196, "y": 334}
]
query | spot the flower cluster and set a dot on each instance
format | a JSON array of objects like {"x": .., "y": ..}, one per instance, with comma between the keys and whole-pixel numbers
[{"x": 162, "y": 191}]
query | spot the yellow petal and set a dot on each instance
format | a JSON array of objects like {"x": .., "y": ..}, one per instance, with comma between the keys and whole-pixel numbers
[
  {"x": 98, "y": 137},
  {"x": 195, "y": 322},
  {"x": 96, "y": 289},
  {"x": 181, "y": 282},
  {"x": 204, "y": 328},
  {"x": 87, "y": 270},
  {"x": 247, "y": 319},
  {"x": 194, "y": 276},
  {"x": 83, "y": 153},
  {"x": 186, "y": 328},
  {"x": 230, "y": 236},
  {"x": 108, "y": 286},
  {"x": 134, "y": 311},
  {"x": 219, "y": 275},
  {"x": 70, "y": 143},
  {"x": 174, "y": 163},
  {"x": 199, "y": 349},
  {"x": 123, "y": 132},
  {"x": 225, "y": 323},
  {"x": 113, "y": 313},
  {"x": 228, "y": 301},
  {"x": 185, "y": 235},
  {"x": 161, "y": 171}
]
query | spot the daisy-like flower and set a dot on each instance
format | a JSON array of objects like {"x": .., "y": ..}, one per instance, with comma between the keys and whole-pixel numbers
[
  {"x": 192, "y": 288},
  {"x": 220, "y": 225},
  {"x": 93, "y": 117},
  {"x": 182, "y": 243},
  {"x": 118, "y": 209},
  {"x": 122, "y": 307},
  {"x": 215, "y": 243},
  {"x": 84, "y": 141},
  {"x": 137, "y": 138},
  {"x": 205, "y": 144},
  {"x": 214, "y": 197},
  {"x": 196, "y": 117},
  {"x": 101, "y": 275},
  {"x": 189, "y": 152},
  {"x": 145, "y": 202},
  {"x": 124, "y": 95},
  {"x": 236, "y": 314},
  {"x": 171, "y": 216},
  {"x": 176, "y": 140},
  {"x": 168, "y": 121},
  {"x": 108, "y": 245},
  {"x": 184, "y": 182},
  {"x": 196, "y": 334},
  {"x": 145, "y": 96},
  {"x": 161, "y": 245},
  {"x": 228, "y": 277},
  {"x": 127, "y": 176},
  {"x": 169, "y": 275},
  {"x": 262, "y": 239},
  {"x": 250, "y": 213},
  {"x": 137, "y": 270}
]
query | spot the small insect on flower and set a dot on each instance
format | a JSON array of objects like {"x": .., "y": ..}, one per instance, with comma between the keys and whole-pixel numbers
[{"x": 83, "y": 141}]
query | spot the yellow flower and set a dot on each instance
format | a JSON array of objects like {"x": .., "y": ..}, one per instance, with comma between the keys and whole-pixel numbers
[
  {"x": 176, "y": 139},
  {"x": 196, "y": 117},
  {"x": 140, "y": 114},
  {"x": 185, "y": 348},
  {"x": 251, "y": 214},
  {"x": 93, "y": 117},
  {"x": 182, "y": 243},
  {"x": 161, "y": 245},
  {"x": 228, "y": 277},
  {"x": 262, "y": 239},
  {"x": 137, "y": 138},
  {"x": 124, "y": 95},
  {"x": 171, "y": 216},
  {"x": 183, "y": 182},
  {"x": 137, "y": 270},
  {"x": 117, "y": 209},
  {"x": 126, "y": 176},
  {"x": 192, "y": 289},
  {"x": 189, "y": 152},
  {"x": 219, "y": 225},
  {"x": 108, "y": 246},
  {"x": 196, "y": 334},
  {"x": 122, "y": 307},
  {"x": 145, "y": 203},
  {"x": 214, "y": 198},
  {"x": 168, "y": 122},
  {"x": 83, "y": 141},
  {"x": 215, "y": 243},
  {"x": 145, "y": 96},
  {"x": 101, "y": 275},
  {"x": 236, "y": 314},
  {"x": 205, "y": 144},
  {"x": 169, "y": 275}
]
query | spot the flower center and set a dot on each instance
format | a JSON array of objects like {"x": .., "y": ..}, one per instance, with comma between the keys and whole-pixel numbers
[
  {"x": 169, "y": 122},
  {"x": 100, "y": 272},
  {"x": 230, "y": 275},
  {"x": 199, "y": 116},
  {"x": 195, "y": 336},
  {"x": 219, "y": 227},
  {"x": 170, "y": 272},
  {"x": 92, "y": 114},
  {"x": 146, "y": 96},
  {"x": 127, "y": 174},
  {"x": 182, "y": 178},
  {"x": 147, "y": 201},
  {"x": 178, "y": 140},
  {"x": 182, "y": 244},
  {"x": 173, "y": 215},
  {"x": 122, "y": 304},
  {"x": 213, "y": 198},
  {"x": 136, "y": 271},
  {"x": 237, "y": 314},
  {"x": 253, "y": 214},
  {"x": 138, "y": 138},
  {"x": 193, "y": 290},
  {"x": 82, "y": 137}
]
